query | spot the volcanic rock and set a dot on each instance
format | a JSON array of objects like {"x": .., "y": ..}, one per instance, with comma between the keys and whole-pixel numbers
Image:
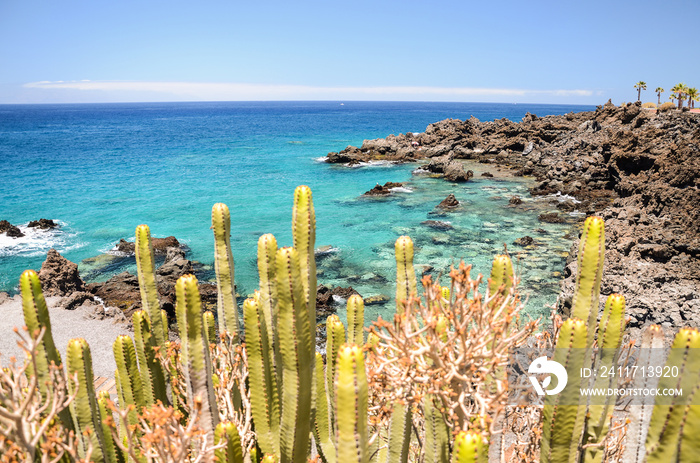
[
  {"x": 550, "y": 217},
  {"x": 524, "y": 241},
  {"x": 454, "y": 172},
  {"x": 448, "y": 203},
  {"x": 378, "y": 299},
  {"x": 10, "y": 230},
  {"x": 43, "y": 224},
  {"x": 59, "y": 276},
  {"x": 487, "y": 174},
  {"x": 515, "y": 200},
  {"x": 160, "y": 245},
  {"x": 382, "y": 190},
  {"x": 437, "y": 224}
]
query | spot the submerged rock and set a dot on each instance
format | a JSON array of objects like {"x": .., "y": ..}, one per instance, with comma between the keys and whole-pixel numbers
[
  {"x": 524, "y": 241},
  {"x": 10, "y": 230},
  {"x": 448, "y": 203},
  {"x": 378, "y": 299},
  {"x": 438, "y": 224},
  {"x": 59, "y": 276},
  {"x": 160, "y": 245},
  {"x": 550, "y": 217},
  {"x": 515, "y": 200}
]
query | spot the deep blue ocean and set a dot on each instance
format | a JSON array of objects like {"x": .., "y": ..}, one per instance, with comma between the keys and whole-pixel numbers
[{"x": 102, "y": 169}]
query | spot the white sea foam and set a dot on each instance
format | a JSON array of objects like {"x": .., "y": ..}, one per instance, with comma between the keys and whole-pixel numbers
[
  {"x": 374, "y": 164},
  {"x": 321, "y": 159},
  {"x": 401, "y": 189},
  {"x": 37, "y": 242},
  {"x": 561, "y": 198}
]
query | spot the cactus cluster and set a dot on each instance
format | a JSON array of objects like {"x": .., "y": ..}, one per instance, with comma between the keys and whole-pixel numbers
[{"x": 291, "y": 396}]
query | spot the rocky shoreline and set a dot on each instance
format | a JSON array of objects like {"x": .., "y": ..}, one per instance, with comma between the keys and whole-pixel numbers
[{"x": 638, "y": 170}]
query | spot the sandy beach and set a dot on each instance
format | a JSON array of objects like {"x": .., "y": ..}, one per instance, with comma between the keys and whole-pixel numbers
[{"x": 100, "y": 332}]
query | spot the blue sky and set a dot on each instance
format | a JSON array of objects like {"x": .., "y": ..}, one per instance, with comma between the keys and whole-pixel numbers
[{"x": 494, "y": 51}]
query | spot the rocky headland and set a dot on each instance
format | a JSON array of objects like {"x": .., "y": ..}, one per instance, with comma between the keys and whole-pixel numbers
[{"x": 639, "y": 170}]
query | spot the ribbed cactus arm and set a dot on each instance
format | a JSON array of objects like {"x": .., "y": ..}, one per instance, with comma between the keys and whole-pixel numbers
[
  {"x": 267, "y": 257},
  {"x": 562, "y": 414},
  {"x": 150, "y": 369},
  {"x": 335, "y": 337},
  {"x": 232, "y": 452},
  {"x": 36, "y": 317},
  {"x": 146, "y": 270},
  {"x": 436, "y": 448},
  {"x": 669, "y": 420},
  {"x": 399, "y": 433},
  {"x": 297, "y": 354},
  {"x": 469, "y": 447},
  {"x": 128, "y": 378},
  {"x": 356, "y": 320},
  {"x": 591, "y": 254},
  {"x": 405, "y": 274},
  {"x": 304, "y": 233},
  {"x": 351, "y": 399},
  {"x": 502, "y": 275},
  {"x": 227, "y": 308},
  {"x": 196, "y": 359},
  {"x": 262, "y": 379},
  {"x": 112, "y": 453},
  {"x": 84, "y": 409},
  {"x": 324, "y": 433}
]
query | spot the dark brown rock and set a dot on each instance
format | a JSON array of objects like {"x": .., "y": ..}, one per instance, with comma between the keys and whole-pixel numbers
[
  {"x": 524, "y": 241},
  {"x": 487, "y": 174},
  {"x": 550, "y": 217},
  {"x": 448, "y": 203},
  {"x": 76, "y": 299},
  {"x": 9, "y": 229},
  {"x": 382, "y": 190},
  {"x": 378, "y": 299},
  {"x": 59, "y": 276},
  {"x": 437, "y": 224},
  {"x": 44, "y": 224},
  {"x": 160, "y": 245},
  {"x": 455, "y": 172},
  {"x": 515, "y": 200}
]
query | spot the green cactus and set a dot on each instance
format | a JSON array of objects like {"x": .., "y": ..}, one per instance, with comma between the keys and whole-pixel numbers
[
  {"x": 351, "y": 406},
  {"x": 195, "y": 353},
  {"x": 399, "y": 433},
  {"x": 150, "y": 369},
  {"x": 676, "y": 417},
  {"x": 209, "y": 327},
  {"x": 232, "y": 452},
  {"x": 405, "y": 274},
  {"x": 227, "y": 308},
  {"x": 356, "y": 319},
  {"x": 335, "y": 337},
  {"x": 436, "y": 448},
  {"x": 267, "y": 255},
  {"x": 146, "y": 270},
  {"x": 297, "y": 353},
  {"x": 591, "y": 253},
  {"x": 128, "y": 378},
  {"x": 610, "y": 330},
  {"x": 562, "y": 414},
  {"x": 86, "y": 414},
  {"x": 262, "y": 377},
  {"x": 36, "y": 317},
  {"x": 112, "y": 452},
  {"x": 324, "y": 424},
  {"x": 470, "y": 447},
  {"x": 502, "y": 276},
  {"x": 304, "y": 233}
]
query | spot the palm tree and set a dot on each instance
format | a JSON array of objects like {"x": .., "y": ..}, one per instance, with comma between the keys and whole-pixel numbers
[
  {"x": 659, "y": 91},
  {"x": 680, "y": 90},
  {"x": 641, "y": 85},
  {"x": 692, "y": 97}
]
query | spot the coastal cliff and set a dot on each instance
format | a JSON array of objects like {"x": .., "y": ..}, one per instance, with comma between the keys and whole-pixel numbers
[{"x": 637, "y": 169}]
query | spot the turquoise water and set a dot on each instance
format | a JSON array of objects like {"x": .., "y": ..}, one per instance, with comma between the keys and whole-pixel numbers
[{"x": 102, "y": 169}]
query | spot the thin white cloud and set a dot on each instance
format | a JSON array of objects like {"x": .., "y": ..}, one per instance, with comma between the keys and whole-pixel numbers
[{"x": 204, "y": 91}]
